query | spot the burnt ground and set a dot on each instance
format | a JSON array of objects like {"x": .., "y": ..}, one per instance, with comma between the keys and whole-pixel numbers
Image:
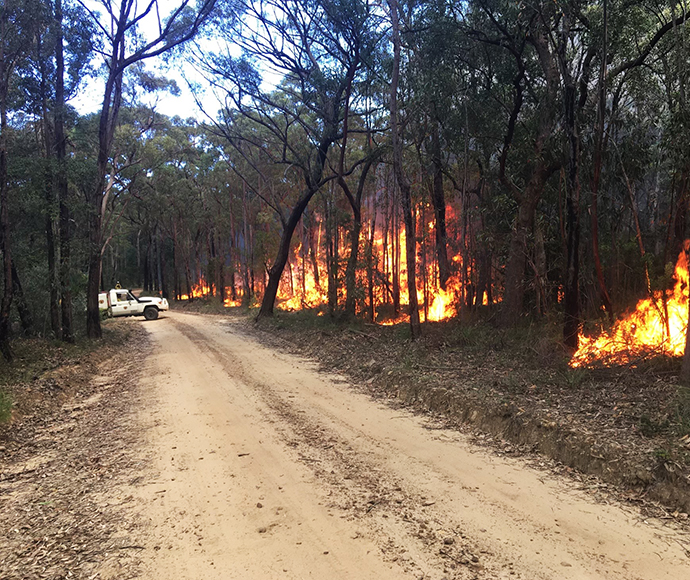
[{"x": 621, "y": 431}]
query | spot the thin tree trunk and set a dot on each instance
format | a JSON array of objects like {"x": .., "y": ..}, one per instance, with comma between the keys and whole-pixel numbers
[
  {"x": 356, "y": 205},
  {"x": 439, "y": 202},
  {"x": 571, "y": 326},
  {"x": 370, "y": 265},
  {"x": 62, "y": 184},
  {"x": 49, "y": 188},
  {"x": 4, "y": 197},
  {"x": 596, "y": 176},
  {"x": 401, "y": 178}
]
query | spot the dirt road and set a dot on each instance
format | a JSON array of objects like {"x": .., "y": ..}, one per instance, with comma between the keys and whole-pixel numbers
[{"x": 266, "y": 469}]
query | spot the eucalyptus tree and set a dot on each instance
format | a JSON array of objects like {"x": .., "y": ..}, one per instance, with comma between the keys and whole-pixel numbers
[
  {"x": 312, "y": 49},
  {"x": 400, "y": 175},
  {"x": 438, "y": 79},
  {"x": 578, "y": 43},
  {"x": 55, "y": 65},
  {"x": 122, "y": 25},
  {"x": 15, "y": 18}
]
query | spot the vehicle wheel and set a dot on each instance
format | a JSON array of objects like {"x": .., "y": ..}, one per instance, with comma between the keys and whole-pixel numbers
[{"x": 151, "y": 313}]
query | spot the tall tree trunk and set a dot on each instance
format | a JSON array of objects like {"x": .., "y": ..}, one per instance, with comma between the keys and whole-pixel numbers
[
  {"x": 4, "y": 196},
  {"x": 313, "y": 182},
  {"x": 159, "y": 262},
  {"x": 685, "y": 368},
  {"x": 370, "y": 266},
  {"x": 356, "y": 205},
  {"x": 596, "y": 171},
  {"x": 571, "y": 325},
  {"x": 220, "y": 250},
  {"x": 53, "y": 279},
  {"x": 401, "y": 178},
  {"x": 514, "y": 283},
  {"x": 314, "y": 252},
  {"x": 276, "y": 270},
  {"x": 439, "y": 202},
  {"x": 49, "y": 189},
  {"x": 539, "y": 172},
  {"x": 99, "y": 196},
  {"x": 332, "y": 253},
  {"x": 176, "y": 275}
]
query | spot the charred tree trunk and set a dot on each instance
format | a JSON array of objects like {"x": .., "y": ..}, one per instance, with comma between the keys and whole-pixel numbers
[
  {"x": 685, "y": 368},
  {"x": 356, "y": 205},
  {"x": 332, "y": 254},
  {"x": 370, "y": 267},
  {"x": 439, "y": 202},
  {"x": 596, "y": 172},
  {"x": 571, "y": 324},
  {"x": 276, "y": 270},
  {"x": 401, "y": 179}
]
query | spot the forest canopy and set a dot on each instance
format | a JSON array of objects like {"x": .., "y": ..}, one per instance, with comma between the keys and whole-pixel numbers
[{"x": 389, "y": 161}]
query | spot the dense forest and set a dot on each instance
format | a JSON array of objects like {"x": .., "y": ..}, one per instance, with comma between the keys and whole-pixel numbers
[{"x": 392, "y": 161}]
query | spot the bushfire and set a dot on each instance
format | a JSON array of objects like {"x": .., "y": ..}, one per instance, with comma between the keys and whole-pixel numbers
[
  {"x": 658, "y": 325},
  {"x": 305, "y": 280}
]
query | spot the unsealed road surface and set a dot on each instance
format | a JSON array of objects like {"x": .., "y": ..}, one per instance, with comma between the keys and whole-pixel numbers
[{"x": 266, "y": 469}]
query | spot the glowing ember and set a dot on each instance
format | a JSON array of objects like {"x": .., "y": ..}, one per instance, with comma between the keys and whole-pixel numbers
[{"x": 650, "y": 328}]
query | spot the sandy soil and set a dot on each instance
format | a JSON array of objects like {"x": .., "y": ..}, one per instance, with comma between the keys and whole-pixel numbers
[{"x": 261, "y": 467}]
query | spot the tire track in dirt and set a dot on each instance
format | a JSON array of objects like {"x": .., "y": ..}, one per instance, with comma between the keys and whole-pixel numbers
[
  {"x": 432, "y": 505},
  {"x": 358, "y": 487}
]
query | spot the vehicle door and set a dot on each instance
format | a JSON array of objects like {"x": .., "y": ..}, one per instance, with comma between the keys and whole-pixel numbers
[{"x": 122, "y": 305}]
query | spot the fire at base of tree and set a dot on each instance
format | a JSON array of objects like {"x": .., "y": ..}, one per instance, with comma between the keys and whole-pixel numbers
[
  {"x": 657, "y": 326},
  {"x": 540, "y": 174},
  {"x": 381, "y": 274}
]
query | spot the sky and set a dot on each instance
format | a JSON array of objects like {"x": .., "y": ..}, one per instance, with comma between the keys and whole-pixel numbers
[{"x": 90, "y": 96}]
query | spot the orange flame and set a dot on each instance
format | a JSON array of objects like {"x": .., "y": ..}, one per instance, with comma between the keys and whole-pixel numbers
[
  {"x": 298, "y": 287},
  {"x": 199, "y": 290},
  {"x": 304, "y": 282},
  {"x": 445, "y": 302},
  {"x": 653, "y": 327}
]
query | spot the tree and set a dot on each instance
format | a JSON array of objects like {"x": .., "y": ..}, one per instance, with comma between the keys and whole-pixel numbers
[
  {"x": 401, "y": 178},
  {"x": 124, "y": 19},
  {"x": 14, "y": 18},
  {"x": 317, "y": 48}
]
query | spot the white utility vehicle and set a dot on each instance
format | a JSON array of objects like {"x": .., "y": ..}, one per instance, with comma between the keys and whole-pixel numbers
[{"x": 121, "y": 302}]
